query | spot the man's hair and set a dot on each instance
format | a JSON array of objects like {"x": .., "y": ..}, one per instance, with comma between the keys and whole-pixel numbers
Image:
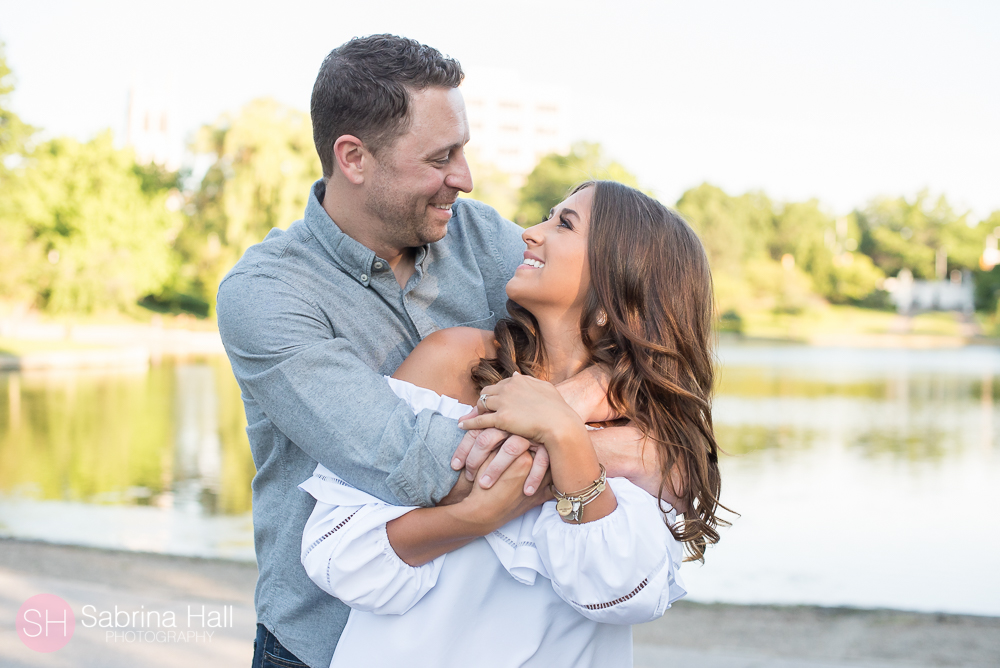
[{"x": 364, "y": 86}]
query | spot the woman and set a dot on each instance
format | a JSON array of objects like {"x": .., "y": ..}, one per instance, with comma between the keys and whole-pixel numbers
[{"x": 612, "y": 278}]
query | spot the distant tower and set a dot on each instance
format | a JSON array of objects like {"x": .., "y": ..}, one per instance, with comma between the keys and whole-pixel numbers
[
  {"x": 514, "y": 122},
  {"x": 151, "y": 128}
]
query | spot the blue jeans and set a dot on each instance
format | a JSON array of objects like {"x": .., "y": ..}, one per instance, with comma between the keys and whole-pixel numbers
[{"x": 268, "y": 652}]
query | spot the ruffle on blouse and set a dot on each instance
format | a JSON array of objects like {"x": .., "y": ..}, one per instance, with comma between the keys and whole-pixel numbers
[{"x": 631, "y": 551}]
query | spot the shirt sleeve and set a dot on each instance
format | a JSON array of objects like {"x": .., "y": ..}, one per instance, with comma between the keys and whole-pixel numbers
[
  {"x": 315, "y": 389},
  {"x": 346, "y": 551},
  {"x": 620, "y": 569}
]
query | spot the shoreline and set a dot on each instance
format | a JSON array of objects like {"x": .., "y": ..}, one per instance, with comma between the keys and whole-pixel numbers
[
  {"x": 715, "y": 635},
  {"x": 138, "y": 348}
]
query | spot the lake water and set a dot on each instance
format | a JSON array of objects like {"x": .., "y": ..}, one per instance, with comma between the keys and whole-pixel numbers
[{"x": 867, "y": 478}]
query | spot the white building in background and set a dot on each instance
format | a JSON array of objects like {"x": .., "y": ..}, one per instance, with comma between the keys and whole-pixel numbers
[
  {"x": 514, "y": 122},
  {"x": 909, "y": 295},
  {"x": 151, "y": 126}
]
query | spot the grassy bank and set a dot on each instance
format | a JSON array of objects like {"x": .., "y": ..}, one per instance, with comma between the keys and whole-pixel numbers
[{"x": 824, "y": 322}]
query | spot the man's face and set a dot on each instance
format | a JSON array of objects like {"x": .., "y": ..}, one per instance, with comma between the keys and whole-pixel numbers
[{"x": 417, "y": 178}]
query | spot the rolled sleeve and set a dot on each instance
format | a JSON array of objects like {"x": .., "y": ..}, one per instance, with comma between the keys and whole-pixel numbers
[{"x": 316, "y": 391}]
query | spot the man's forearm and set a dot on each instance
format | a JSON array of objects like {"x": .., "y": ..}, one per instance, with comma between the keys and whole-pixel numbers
[{"x": 322, "y": 397}]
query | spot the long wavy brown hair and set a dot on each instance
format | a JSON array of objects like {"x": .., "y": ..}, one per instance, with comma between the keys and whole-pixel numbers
[{"x": 650, "y": 275}]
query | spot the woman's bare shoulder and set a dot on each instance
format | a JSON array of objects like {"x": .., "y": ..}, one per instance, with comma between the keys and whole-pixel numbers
[{"x": 444, "y": 360}]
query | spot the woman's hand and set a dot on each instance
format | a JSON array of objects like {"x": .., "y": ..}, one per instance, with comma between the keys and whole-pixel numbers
[{"x": 527, "y": 407}]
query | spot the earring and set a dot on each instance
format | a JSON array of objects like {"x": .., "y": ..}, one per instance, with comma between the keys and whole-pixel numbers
[{"x": 602, "y": 318}]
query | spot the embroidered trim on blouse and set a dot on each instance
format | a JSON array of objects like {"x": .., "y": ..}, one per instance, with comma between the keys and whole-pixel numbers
[
  {"x": 511, "y": 542},
  {"x": 327, "y": 478},
  {"x": 328, "y": 534},
  {"x": 609, "y": 604}
]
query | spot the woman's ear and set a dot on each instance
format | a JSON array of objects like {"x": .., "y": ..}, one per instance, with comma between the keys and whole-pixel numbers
[{"x": 352, "y": 158}]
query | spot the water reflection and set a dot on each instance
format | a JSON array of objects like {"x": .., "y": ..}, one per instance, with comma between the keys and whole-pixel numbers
[
  {"x": 170, "y": 437},
  {"x": 852, "y": 470},
  {"x": 863, "y": 478}
]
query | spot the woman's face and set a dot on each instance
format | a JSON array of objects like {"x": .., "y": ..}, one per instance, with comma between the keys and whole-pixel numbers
[{"x": 555, "y": 274}]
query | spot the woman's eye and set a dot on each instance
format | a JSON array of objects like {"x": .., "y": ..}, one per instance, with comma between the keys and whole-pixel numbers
[{"x": 565, "y": 223}]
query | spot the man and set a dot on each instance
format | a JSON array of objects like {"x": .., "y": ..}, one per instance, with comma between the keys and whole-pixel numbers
[{"x": 314, "y": 316}]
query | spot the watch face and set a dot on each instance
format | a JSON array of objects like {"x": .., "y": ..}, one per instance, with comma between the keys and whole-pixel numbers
[{"x": 564, "y": 507}]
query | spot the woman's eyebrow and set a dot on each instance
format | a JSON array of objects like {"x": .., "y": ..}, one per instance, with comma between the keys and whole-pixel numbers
[{"x": 570, "y": 211}]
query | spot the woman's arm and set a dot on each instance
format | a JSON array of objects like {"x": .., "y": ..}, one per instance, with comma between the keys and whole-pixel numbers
[
  {"x": 444, "y": 360},
  {"x": 424, "y": 534},
  {"x": 382, "y": 558}
]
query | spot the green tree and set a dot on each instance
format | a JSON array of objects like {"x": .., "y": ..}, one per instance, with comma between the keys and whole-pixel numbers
[
  {"x": 90, "y": 237},
  {"x": 554, "y": 175},
  {"x": 17, "y": 256},
  {"x": 14, "y": 133},
  {"x": 900, "y": 233},
  {"x": 265, "y": 163},
  {"x": 987, "y": 278},
  {"x": 825, "y": 249},
  {"x": 492, "y": 186}
]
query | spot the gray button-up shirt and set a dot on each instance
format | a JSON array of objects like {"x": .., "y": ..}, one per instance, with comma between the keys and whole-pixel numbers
[{"x": 311, "y": 321}]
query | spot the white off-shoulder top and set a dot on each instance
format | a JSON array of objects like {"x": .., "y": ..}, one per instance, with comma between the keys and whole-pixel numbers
[{"x": 536, "y": 592}]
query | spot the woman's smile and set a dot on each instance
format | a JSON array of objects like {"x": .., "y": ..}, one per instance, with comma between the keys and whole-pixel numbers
[{"x": 531, "y": 260}]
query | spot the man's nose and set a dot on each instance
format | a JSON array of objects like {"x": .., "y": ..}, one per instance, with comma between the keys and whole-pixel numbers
[{"x": 460, "y": 176}]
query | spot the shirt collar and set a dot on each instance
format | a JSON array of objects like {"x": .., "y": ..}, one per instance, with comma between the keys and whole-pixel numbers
[{"x": 350, "y": 255}]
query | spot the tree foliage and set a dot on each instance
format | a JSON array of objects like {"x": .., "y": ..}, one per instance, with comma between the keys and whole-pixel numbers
[
  {"x": 777, "y": 256},
  {"x": 898, "y": 233},
  {"x": 84, "y": 228},
  {"x": 14, "y": 133},
  {"x": 88, "y": 237},
  {"x": 264, "y": 165},
  {"x": 556, "y": 174}
]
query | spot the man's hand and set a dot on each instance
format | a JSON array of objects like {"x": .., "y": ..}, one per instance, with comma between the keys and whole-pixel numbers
[
  {"x": 626, "y": 454},
  {"x": 587, "y": 394},
  {"x": 504, "y": 500},
  {"x": 458, "y": 492},
  {"x": 478, "y": 444}
]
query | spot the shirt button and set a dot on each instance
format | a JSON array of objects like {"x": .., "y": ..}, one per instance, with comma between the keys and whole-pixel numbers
[
  {"x": 378, "y": 265},
  {"x": 364, "y": 277}
]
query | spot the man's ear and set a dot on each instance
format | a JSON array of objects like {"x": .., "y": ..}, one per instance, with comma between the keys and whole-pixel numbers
[{"x": 352, "y": 158}]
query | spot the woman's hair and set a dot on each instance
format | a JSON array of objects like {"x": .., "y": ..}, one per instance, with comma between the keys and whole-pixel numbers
[{"x": 650, "y": 274}]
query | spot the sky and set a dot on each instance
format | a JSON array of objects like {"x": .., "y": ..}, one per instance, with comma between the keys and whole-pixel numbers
[{"x": 840, "y": 101}]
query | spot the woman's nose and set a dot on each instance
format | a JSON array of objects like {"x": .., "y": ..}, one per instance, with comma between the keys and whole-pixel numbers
[{"x": 532, "y": 236}]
